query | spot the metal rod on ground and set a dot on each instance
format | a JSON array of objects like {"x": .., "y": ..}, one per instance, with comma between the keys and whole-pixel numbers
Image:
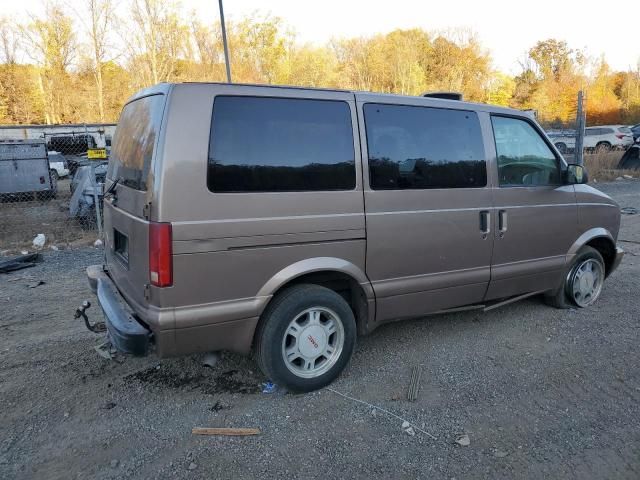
[
  {"x": 580, "y": 125},
  {"x": 224, "y": 42},
  {"x": 414, "y": 383}
]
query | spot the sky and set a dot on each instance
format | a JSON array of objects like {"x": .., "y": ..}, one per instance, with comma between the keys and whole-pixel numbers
[{"x": 506, "y": 28}]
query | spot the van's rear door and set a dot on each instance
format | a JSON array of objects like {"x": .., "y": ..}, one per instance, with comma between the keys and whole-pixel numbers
[{"x": 126, "y": 227}]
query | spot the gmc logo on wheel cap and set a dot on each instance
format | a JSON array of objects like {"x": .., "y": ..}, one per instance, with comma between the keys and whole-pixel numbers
[{"x": 313, "y": 341}]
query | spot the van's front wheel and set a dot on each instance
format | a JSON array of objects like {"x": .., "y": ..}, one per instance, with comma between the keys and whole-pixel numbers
[
  {"x": 583, "y": 281},
  {"x": 305, "y": 338}
]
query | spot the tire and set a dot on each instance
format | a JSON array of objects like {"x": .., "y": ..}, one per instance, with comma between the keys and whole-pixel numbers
[
  {"x": 54, "y": 175},
  {"x": 562, "y": 147},
  {"x": 322, "y": 321},
  {"x": 570, "y": 295},
  {"x": 603, "y": 147}
]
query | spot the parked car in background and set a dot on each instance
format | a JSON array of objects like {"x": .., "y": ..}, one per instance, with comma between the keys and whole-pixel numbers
[
  {"x": 635, "y": 130},
  {"x": 564, "y": 140},
  {"x": 58, "y": 165},
  {"x": 607, "y": 137}
]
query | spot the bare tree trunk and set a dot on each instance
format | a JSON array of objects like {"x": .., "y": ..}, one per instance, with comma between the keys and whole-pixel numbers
[{"x": 45, "y": 100}]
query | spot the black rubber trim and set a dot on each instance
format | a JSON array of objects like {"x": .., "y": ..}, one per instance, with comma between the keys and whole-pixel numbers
[{"x": 125, "y": 332}]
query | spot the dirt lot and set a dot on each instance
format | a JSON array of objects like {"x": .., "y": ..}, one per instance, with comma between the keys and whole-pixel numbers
[
  {"x": 539, "y": 392},
  {"x": 24, "y": 216}
]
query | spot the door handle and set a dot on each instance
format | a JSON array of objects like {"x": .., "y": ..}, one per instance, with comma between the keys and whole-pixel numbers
[
  {"x": 485, "y": 223},
  {"x": 502, "y": 221}
]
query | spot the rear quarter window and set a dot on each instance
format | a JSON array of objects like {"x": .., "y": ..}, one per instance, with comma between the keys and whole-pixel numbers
[
  {"x": 264, "y": 144},
  {"x": 134, "y": 141}
]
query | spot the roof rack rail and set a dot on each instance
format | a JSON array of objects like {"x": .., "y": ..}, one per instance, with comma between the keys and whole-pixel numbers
[{"x": 444, "y": 95}]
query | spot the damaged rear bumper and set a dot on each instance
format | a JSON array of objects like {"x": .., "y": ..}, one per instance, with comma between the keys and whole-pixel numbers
[{"x": 126, "y": 333}]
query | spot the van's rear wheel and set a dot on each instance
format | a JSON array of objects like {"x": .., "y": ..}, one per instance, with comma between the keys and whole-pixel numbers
[
  {"x": 305, "y": 338},
  {"x": 582, "y": 282}
]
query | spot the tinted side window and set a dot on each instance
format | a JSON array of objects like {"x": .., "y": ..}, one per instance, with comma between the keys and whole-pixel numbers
[
  {"x": 589, "y": 132},
  {"x": 261, "y": 144},
  {"x": 420, "y": 147},
  {"x": 523, "y": 156}
]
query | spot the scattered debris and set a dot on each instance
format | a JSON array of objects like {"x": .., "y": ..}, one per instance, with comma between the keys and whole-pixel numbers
[
  {"x": 408, "y": 429},
  {"x": 421, "y": 430},
  {"x": 210, "y": 359},
  {"x": 105, "y": 350},
  {"x": 219, "y": 405},
  {"x": 39, "y": 241},
  {"x": 269, "y": 387},
  {"x": 26, "y": 260},
  {"x": 629, "y": 210},
  {"x": 192, "y": 466},
  {"x": 36, "y": 284},
  {"x": 619, "y": 179},
  {"x": 373, "y": 412},
  {"x": 66, "y": 414},
  {"x": 628, "y": 177},
  {"x": 108, "y": 406},
  {"x": 463, "y": 440},
  {"x": 234, "y": 432},
  {"x": 54, "y": 248},
  {"x": 414, "y": 383},
  {"x": 97, "y": 243},
  {"x": 631, "y": 159}
]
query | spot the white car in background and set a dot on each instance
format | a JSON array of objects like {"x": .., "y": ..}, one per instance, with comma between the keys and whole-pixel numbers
[
  {"x": 608, "y": 137},
  {"x": 57, "y": 165},
  {"x": 564, "y": 140}
]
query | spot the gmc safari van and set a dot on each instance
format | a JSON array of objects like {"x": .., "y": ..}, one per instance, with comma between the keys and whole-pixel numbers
[{"x": 288, "y": 221}]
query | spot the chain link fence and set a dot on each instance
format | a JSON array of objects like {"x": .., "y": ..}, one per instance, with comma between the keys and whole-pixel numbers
[{"x": 50, "y": 191}]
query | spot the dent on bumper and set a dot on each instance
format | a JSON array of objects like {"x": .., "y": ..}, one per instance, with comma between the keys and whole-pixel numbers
[{"x": 125, "y": 332}]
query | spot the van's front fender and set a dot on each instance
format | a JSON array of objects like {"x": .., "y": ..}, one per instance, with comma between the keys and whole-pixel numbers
[
  {"x": 586, "y": 237},
  {"x": 315, "y": 265}
]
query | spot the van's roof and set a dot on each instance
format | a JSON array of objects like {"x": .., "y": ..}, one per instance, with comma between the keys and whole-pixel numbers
[{"x": 369, "y": 96}]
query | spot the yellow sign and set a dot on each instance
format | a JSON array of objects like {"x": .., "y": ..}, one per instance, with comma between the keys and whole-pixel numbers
[{"x": 97, "y": 153}]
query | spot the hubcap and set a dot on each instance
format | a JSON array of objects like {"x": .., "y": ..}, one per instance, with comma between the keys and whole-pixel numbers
[
  {"x": 585, "y": 283},
  {"x": 313, "y": 342}
]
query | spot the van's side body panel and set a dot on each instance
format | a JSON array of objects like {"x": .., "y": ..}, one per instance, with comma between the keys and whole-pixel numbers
[
  {"x": 412, "y": 252},
  {"x": 425, "y": 249},
  {"x": 228, "y": 246}
]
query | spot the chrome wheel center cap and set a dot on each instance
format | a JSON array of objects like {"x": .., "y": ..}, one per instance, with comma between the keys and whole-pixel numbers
[
  {"x": 586, "y": 282},
  {"x": 313, "y": 341}
]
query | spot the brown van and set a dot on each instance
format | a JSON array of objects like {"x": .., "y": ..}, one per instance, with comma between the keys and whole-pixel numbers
[{"x": 289, "y": 220}]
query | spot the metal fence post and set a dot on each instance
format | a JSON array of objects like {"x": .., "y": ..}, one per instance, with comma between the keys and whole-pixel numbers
[
  {"x": 94, "y": 187},
  {"x": 580, "y": 125}
]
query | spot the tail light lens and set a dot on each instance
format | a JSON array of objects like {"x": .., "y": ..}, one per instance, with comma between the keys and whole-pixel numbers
[
  {"x": 620, "y": 135},
  {"x": 160, "y": 254}
]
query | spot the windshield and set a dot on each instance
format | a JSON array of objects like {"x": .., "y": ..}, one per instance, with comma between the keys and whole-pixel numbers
[{"x": 134, "y": 141}]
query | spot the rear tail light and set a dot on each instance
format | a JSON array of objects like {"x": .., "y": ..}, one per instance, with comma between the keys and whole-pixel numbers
[
  {"x": 621, "y": 135},
  {"x": 160, "y": 254}
]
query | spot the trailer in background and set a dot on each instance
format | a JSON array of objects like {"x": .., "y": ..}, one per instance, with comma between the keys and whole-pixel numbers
[{"x": 24, "y": 170}]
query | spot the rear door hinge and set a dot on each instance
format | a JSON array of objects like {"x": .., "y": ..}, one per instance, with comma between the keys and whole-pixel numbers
[
  {"x": 147, "y": 292},
  {"x": 146, "y": 210}
]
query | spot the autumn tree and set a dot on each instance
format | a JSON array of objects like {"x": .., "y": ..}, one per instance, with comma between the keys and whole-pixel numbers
[
  {"x": 155, "y": 37},
  {"x": 100, "y": 15},
  {"x": 51, "y": 43}
]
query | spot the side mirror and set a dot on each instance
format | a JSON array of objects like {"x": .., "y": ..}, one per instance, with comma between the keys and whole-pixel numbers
[{"x": 576, "y": 174}]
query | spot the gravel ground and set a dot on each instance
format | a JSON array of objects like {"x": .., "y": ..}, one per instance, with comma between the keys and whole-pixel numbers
[{"x": 539, "y": 392}]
